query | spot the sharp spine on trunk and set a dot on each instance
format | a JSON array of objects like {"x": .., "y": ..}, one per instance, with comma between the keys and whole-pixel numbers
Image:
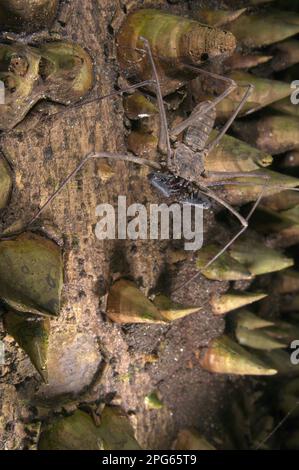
[
  {"x": 225, "y": 268},
  {"x": 287, "y": 282},
  {"x": 127, "y": 304}
]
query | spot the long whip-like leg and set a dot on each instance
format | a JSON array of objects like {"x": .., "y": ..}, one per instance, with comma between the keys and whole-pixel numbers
[
  {"x": 245, "y": 226},
  {"x": 247, "y": 183}
]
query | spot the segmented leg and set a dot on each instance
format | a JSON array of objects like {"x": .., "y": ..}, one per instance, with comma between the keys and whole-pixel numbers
[
  {"x": 244, "y": 222},
  {"x": 279, "y": 425},
  {"x": 91, "y": 156},
  {"x": 102, "y": 155}
]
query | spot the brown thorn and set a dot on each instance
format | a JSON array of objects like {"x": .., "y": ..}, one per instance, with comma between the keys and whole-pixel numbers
[
  {"x": 190, "y": 120},
  {"x": 100, "y": 155},
  {"x": 235, "y": 174},
  {"x": 230, "y": 121},
  {"x": 100, "y": 98}
]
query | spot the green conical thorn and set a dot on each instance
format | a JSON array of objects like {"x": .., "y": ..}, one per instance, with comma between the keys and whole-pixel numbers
[
  {"x": 280, "y": 360},
  {"x": 287, "y": 282},
  {"x": 281, "y": 201},
  {"x": 289, "y": 305},
  {"x": 190, "y": 439},
  {"x": 234, "y": 155},
  {"x": 248, "y": 189},
  {"x": 267, "y": 221},
  {"x": 290, "y": 160}
]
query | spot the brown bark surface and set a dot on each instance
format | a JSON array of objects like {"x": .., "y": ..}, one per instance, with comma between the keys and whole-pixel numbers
[{"x": 141, "y": 358}]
